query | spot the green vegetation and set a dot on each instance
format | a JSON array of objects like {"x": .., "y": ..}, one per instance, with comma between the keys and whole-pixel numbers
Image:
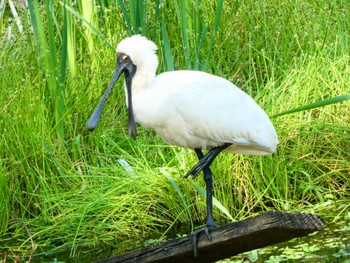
[
  {"x": 330, "y": 245},
  {"x": 65, "y": 188}
]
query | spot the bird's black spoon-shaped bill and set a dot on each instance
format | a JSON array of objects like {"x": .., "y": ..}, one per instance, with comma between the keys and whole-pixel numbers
[
  {"x": 96, "y": 115},
  {"x": 131, "y": 119}
]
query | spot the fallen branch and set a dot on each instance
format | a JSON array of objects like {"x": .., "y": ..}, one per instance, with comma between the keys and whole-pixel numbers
[{"x": 229, "y": 240}]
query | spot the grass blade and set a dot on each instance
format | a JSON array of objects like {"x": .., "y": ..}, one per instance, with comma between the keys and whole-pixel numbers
[
  {"x": 16, "y": 17},
  {"x": 218, "y": 14},
  {"x": 184, "y": 32},
  {"x": 178, "y": 190},
  {"x": 98, "y": 32},
  {"x": 125, "y": 15},
  {"x": 55, "y": 164},
  {"x": 64, "y": 52},
  {"x": 88, "y": 14},
  {"x": 321, "y": 103},
  {"x": 168, "y": 55},
  {"x": 156, "y": 14},
  {"x": 5, "y": 198}
]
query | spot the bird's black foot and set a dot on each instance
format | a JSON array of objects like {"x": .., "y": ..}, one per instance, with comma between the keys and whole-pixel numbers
[
  {"x": 205, "y": 160},
  {"x": 197, "y": 168},
  {"x": 196, "y": 234}
]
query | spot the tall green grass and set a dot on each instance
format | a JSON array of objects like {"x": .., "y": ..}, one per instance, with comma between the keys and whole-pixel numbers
[
  {"x": 48, "y": 54},
  {"x": 72, "y": 188}
]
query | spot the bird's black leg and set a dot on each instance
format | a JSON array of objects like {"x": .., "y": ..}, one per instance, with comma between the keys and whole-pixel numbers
[{"x": 208, "y": 177}]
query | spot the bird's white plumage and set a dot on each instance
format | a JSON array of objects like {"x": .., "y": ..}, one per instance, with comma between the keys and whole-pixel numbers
[{"x": 195, "y": 109}]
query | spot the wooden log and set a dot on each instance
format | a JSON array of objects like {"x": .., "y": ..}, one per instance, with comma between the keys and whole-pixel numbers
[{"x": 228, "y": 240}]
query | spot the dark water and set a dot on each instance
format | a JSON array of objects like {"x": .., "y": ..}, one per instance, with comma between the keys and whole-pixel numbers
[{"x": 329, "y": 245}]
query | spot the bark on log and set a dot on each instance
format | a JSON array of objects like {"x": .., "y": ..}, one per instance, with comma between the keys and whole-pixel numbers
[{"x": 228, "y": 240}]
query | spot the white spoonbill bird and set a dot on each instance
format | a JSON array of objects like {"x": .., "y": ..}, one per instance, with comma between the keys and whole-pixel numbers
[{"x": 190, "y": 109}]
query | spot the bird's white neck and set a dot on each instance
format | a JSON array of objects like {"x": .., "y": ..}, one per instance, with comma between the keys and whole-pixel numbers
[{"x": 142, "y": 80}]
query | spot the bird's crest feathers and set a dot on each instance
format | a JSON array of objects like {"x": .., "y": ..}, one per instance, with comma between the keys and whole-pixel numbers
[{"x": 141, "y": 51}]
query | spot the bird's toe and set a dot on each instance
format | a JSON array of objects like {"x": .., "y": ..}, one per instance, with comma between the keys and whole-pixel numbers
[{"x": 196, "y": 234}]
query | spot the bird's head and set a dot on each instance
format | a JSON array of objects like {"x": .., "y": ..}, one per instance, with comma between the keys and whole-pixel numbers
[
  {"x": 142, "y": 53},
  {"x": 135, "y": 54}
]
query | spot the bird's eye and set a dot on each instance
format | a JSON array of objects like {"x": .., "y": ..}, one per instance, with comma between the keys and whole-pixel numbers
[{"x": 125, "y": 57}]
